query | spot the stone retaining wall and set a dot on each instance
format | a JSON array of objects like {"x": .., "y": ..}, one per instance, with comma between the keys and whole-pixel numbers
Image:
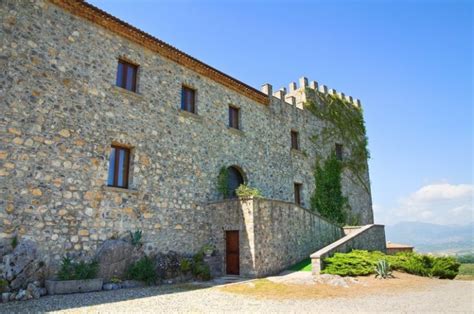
[{"x": 273, "y": 234}]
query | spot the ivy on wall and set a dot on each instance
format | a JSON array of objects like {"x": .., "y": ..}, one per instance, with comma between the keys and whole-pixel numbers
[
  {"x": 222, "y": 182},
  {"x": 344, "y": 123},
  {"x": 327, "y": 198}
]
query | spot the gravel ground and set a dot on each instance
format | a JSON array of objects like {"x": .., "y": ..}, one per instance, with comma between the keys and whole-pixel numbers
[{"x": 445, "y": 296}]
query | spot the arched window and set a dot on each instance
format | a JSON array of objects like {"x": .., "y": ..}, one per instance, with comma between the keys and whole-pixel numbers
[{"x": 235, "y": 179}]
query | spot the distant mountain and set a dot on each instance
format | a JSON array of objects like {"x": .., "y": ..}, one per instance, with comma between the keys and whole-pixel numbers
[{"x": 432, "y": 238}]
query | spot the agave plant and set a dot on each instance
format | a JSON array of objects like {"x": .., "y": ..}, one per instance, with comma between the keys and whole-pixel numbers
[
  {"x": 383, "y": 270},
  {"x": 136, "y": 237}
]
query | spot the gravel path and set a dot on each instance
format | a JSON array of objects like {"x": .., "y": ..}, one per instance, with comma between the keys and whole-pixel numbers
[{"x": 445, "y": 296}]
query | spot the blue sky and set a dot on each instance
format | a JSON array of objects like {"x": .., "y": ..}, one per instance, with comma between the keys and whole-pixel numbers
[{"x": 410, "y": 63}]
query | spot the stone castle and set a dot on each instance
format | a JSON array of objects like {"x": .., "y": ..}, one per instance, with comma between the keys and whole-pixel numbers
[{"x": 106, "y": 129}]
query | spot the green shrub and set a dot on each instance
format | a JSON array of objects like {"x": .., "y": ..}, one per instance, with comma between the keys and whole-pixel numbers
[
  {"x": 70, "y": 270},
  {"x": 185, "y": 265},
  {"x": 202, "y": 271},
  {"x": 136, "y": 237},
  {"x": 445, "y": 267},
  {"x": 198, "y": 257},
  {"x": 143, "y": 270},
  {"x": 356, "y": 263},
  {"x": 413, "y": 263},
  {"x": 246, "y": 191},
  {"x": 360, "y": 263}
]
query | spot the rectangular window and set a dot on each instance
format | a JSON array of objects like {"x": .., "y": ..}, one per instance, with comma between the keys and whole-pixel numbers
[
  {"x": 297, "y": 187},
  {"x": 188, "y": 99},
  {"x": 127, "y": 75},
  {"x": 339, "y": 152},
  {"x": 294, "y": 140},
  {"x": 119, "y": 164},
  {"x": 234, "y": 117}
]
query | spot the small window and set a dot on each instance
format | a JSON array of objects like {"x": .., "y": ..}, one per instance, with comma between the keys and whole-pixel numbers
[
  {"x": 119, "y": 164},
  {"x": 188, "y": 100},
  {"x": 127, "y": 76},
  {"x": 297, "y": 187},
  {"x": 294, "y": 140},
  {"x": 339, "y": 152},
  {"x": 234, "y": 117}
]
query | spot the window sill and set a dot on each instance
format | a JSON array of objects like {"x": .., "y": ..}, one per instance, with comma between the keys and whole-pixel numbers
[
  {"x": 122, "y": 91},
  {"x": 119, "y": 190},
  {"x": 236, "y": 131},
  {"x": 188, "y": 114}
]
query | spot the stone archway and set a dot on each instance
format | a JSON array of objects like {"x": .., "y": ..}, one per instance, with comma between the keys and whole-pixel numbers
[{"x": 235, "y": 179}]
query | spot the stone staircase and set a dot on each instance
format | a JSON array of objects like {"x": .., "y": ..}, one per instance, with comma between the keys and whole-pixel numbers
[{"x": 368, "y": 237}]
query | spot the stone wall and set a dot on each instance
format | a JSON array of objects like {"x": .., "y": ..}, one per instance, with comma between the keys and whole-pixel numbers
[
  {"x": 61, "y": 111},
  {"x": 273, "y": 234},
  {"x": 369, "y": 237}
]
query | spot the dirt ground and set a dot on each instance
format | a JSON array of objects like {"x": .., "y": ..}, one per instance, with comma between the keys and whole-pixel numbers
[{"x": 300, "y": 285}]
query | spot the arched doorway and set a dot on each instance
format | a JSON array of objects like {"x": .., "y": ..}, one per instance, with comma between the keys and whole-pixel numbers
[{"x": 235, "y": 179}]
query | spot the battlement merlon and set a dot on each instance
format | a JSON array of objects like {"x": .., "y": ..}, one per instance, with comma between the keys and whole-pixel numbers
[{"x": 296, "y": 95}]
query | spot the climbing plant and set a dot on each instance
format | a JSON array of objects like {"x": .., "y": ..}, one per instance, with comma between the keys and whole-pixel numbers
[
  {"x": 344, "y": 122},
  {"x": 222, "y": 182},
  {"x": 327, "y": 198}
]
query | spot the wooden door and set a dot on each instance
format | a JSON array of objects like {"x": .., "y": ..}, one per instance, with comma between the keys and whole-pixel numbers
[{"x": 232, "y": 252}]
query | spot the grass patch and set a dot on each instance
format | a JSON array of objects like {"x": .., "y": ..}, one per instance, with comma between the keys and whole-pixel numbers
[
  {"x": 304, "y": 265},
  {"x": 466, "y": 272}
]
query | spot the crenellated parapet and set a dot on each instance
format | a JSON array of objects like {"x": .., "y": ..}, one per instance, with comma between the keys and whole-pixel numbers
[{"x": 296, "y": 94}]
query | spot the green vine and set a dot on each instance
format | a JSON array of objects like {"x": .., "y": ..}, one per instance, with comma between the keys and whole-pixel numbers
[
  {"x": 327, "y": 198},
  {"x": 345, "y": 123},
  {"x": 222, "y": 182}
]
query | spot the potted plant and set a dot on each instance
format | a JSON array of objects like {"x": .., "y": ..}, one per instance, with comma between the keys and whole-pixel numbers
[
  {"x": 74, "y": 277},
  {"x": 208, "y": 250}
]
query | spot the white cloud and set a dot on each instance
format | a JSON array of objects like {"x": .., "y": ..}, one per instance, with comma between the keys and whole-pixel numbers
[
  {"x": 443, "y": 191},
  {"x": 440, "y": 203}
]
